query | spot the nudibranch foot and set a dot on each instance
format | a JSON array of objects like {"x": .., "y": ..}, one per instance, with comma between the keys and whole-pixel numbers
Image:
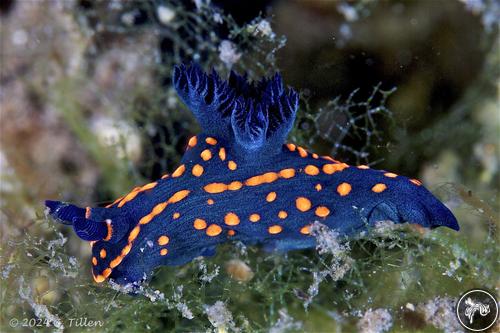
[{"x": 238, "y": 180}]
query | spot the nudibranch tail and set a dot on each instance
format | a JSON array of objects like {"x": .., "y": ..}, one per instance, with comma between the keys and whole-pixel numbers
[
  {"x": 238, "y": 180},
  {"x": 376, "y": 196}
]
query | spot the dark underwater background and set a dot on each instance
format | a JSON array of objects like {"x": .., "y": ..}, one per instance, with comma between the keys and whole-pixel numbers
[{"x": 87, "y": 112}]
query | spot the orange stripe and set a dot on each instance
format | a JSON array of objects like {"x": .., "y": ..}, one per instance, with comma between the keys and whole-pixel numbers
[
  {"x": 332, "y": 168},
  {"x": 110, "y": 230},
  {"x": 133, "y": 234},
  {"x": 264, "y": 178},
  {"x": 114, "y": 202},
  {"x": 215, "y": 188},
  {"x": 135, "y": 192}
]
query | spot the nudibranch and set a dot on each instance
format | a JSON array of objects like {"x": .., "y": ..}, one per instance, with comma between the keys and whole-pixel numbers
[{"x": 238, "y": 180}]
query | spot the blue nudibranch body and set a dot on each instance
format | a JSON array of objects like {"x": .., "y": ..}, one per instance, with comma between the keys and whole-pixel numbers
[{"x": 239, "y": 181}]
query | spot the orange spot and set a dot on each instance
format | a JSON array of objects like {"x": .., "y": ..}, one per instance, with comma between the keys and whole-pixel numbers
[
  {"x": 306, "y": 230},
  {"x": 179, "y": 171},
  {"x": 110, "y": 231},
  {"x": 302, "y": 152},
  {"x": 274, "y": 229},
  {"x": 210, "y": 201},
  {"x": 211, "y": 141},
  {"x": 231, "y": 219},
  {"x": 329, "y": 158},
  {"x": 231, "y": 232},
  {"x": 94, "y": 261},
  {"x": 115, "y": 262},
  {"x": 178, "y": 196},
  {"x": 332, "y": 168},
  {"x": 133, "y": 234},
  {"x": 291, "y": 146},
  {"x": 106, "y": 273},
  {"x": 163, "y": 240},
  {"x": 231, "y": 165},
  {"x": 215, "y": 188},
  {"x": 199, "y": 224},
  {"x": 197, "y": 170},
  {"x": 322, "y": 211},
  {"x": 303, "y": 204},
  {"x": 311, "y": 170},
  {"x": 164, "y": 176},
  {"x": 87, "y": 212},
  {"x": 344, "y": 189},
  {"x": 99, "y": 278},
  {"x": 126, "y": 250},
  {"x": 416, "y": 182},
  {"x": 176, "y": 215},
  {"x": 363, "y": 167},
  {"x": 390, "y": 175},
  {"x": 206, "y": 155},
  {"x": 271, "y": 197},
  {"x": 315, "y": 156},
  {"x": 213, "y": 230},
  {"x": 254, "y": 218},
  {"x": 379, "y": 188},
  {"x": 233, "y": 186},
  {"x": 282, "y": 214},
  {"x": 222, "y": 154},
  {"x": 287, "y": 173},
  {"x": 192, "y": 142},
  {"x": 318, "y": 187},
  {"x": 163, "y": 252}
]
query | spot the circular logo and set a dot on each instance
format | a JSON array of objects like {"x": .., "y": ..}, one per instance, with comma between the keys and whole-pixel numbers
[{"x": 477, "y": 310}]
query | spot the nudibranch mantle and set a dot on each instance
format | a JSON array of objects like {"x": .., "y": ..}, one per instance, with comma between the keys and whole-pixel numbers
[{"x": 239, "y": 181}]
